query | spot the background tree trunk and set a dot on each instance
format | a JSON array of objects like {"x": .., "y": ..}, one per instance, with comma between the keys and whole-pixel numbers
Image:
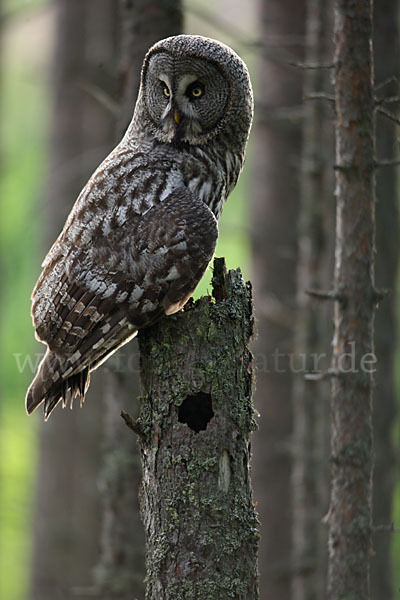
[
  {"x": 274, "y": 235},
  {"x": 67, "y": 507},
  {"x": 351, "y": 491},
  {"x": 310, "y": 397},
  {"x": 120, "y": 571},
  {"x": 387, "y": 52},
  {"x": 195, "y": 422}
]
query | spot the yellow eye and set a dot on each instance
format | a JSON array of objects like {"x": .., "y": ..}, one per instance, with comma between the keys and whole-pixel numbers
[
  {"x": 197, "y": 92},
  {"x": 166, "y": 92}
]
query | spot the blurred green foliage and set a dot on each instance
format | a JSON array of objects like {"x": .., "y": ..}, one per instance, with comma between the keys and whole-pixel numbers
[
  {"x": 23, "y": 121},
  {"x": 13, "y": 8},
  {"x": 233, "y": 242}
]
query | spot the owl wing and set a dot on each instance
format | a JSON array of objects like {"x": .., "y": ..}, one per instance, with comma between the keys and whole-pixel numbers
[{"x": 93, "y": 297}]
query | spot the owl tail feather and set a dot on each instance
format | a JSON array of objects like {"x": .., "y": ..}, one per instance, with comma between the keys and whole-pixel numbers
[{"x": 51, "y": 386}]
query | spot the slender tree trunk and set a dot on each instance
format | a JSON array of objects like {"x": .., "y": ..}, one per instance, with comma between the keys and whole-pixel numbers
[
  {"x": 67, "y": 509},
  {"x": 310, "y": 397},
  {"x": 195, "y": 423},
  {"x": 353, "y": 348},
  {"x": 120, "y": 572},
  {"x": 387, "y": 52},
  {"x": 274, "y": 235}
]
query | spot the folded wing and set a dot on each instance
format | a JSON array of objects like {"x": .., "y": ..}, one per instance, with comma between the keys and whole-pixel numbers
[{"x": 97, "y": 290}]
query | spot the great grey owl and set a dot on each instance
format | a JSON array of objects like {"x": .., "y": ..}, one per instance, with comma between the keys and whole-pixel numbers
[{"x": 144, "y": 228}]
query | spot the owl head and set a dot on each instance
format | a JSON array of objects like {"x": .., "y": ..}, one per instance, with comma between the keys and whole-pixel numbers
[{"x": 192, "y": 89}]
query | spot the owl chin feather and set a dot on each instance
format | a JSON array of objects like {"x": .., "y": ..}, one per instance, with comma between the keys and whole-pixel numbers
[{"x": 186, "y": 130}]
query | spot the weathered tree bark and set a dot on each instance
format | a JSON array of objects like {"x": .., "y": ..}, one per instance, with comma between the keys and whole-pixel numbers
[
  {"x": 120, "y": 572},
  {"x": 310, "y": 397},
  {"x": 353, "y": 348},
  {"x": 387, "y": 53},
  {"x": 195, "y": 423},
  {"x": 274, "y": 254},
  {"x": 67, "y": 514}
]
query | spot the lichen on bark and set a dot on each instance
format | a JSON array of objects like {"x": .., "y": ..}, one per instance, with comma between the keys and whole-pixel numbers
[{"x": 195, "y": 423}]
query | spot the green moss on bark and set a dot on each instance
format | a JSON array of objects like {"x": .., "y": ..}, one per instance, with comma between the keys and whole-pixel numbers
[{"x": 200, "y": 521}]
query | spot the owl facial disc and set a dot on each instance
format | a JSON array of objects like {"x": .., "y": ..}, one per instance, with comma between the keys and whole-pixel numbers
[{"x": 187, "y": 98}]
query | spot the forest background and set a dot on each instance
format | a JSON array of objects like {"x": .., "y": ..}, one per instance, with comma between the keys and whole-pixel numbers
[{"x": 29, "y": 31}]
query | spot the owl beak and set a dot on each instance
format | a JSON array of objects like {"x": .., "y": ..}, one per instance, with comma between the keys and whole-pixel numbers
[{"x": 177, "y": 116}]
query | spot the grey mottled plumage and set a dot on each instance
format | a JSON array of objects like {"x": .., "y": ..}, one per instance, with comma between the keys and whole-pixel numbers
[{"x": 144, "y": 228}]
